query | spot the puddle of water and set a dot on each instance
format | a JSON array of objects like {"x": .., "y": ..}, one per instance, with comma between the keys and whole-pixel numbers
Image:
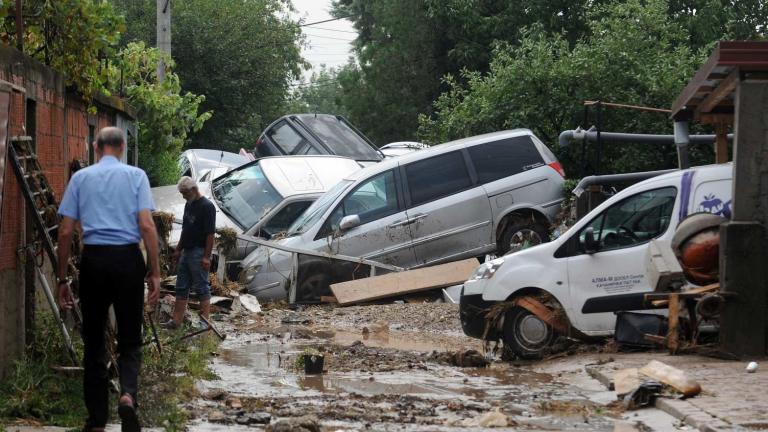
[
  {"x": 363, "y": 386},
  {"x": 396, "y": 340}
]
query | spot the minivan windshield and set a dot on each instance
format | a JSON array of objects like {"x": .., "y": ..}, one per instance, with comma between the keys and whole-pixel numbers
[
  {"x": 308, "y": 219},
  {"x": 340, "y": 137},
  {"x": 245, "y": 195}
]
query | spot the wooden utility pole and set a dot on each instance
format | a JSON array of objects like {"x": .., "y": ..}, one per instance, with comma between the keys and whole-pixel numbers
[
  {"x": 744, "y": 240},
  {"x": 19, "y": 26},
  {"x": 163, "y": 34}
]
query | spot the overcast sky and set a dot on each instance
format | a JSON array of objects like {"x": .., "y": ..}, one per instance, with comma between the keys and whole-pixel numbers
[{"x": 328, "y": 43}]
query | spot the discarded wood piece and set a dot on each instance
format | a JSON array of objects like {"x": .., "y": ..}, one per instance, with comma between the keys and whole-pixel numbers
[
  {"x": 671, "y": 376},
  {"x": 405, "y": 282},
  {"x": 328, "y": 299}
]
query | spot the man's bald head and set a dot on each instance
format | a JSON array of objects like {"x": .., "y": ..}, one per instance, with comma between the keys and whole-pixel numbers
[{"x": 110, "y": 136}]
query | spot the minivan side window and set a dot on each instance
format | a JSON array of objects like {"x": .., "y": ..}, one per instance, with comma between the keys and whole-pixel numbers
[
  {"x": 498, "y": 159},
  {"x": 437, "y": 177},
  {"x": 634, "y": 220},
  {"x": 285, "y": 137},
  {"x": 371, "y": 200}
]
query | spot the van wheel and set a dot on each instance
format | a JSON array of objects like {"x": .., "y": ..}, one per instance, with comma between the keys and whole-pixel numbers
[
  {"x": 526, "y": 335},
  {"x": 315, "y": 282},
  {"x": 521, "y": 234}
]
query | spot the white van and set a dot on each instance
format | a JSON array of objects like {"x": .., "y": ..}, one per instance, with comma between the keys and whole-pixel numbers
[{"x": 598, "y": 265}]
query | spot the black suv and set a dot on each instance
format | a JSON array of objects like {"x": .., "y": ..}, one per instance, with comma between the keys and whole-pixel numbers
[{"x": 308, "y": 134}]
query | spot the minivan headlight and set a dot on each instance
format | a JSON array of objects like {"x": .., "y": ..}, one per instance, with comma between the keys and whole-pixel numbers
[
  {"x": 248, "y": 274},
  {"x": 487, "y": 269}
]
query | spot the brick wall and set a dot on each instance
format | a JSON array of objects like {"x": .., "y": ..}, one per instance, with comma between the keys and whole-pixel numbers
[{"x": 60, "y": 134}]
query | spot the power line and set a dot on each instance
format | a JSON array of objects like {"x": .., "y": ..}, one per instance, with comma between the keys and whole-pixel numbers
[
  {"x": 328, "y": 37},
  {"x": 334, "y": 30},
  {"x": 325, "y": 21}
]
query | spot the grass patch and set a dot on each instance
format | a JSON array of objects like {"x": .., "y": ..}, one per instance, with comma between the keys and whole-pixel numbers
[{"x": 34, "y": 393}]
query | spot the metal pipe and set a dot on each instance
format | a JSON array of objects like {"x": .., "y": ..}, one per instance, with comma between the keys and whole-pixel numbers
[
  {"x": 682, "y": 141},
  {"x": 616, "y": 178},
  {"x": 579, "y": 135}
]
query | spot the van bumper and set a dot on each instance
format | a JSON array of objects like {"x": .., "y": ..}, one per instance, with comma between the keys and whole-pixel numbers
[{"x": 472, "y": 309}]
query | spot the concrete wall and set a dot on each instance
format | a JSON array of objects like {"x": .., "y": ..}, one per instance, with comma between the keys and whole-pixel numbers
[{"x": 61, "y": 122}]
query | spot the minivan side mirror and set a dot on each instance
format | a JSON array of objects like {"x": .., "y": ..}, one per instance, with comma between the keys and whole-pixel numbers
[
  {"x": 589, "y": 243},
  {"x": 349, "y": 222}
]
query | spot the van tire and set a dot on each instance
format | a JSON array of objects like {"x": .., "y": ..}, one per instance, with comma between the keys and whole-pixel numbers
[
  {"x": 525, "y": 335},
  {"x": 522, "y": 229},
  {"x": 315, "y": 282}
]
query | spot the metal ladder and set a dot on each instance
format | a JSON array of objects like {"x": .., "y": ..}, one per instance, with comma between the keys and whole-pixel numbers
[{"x": 42, "y": 203}]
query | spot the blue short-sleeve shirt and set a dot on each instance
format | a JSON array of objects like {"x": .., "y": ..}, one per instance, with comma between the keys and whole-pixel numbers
[{"x": 106, "y": 198}]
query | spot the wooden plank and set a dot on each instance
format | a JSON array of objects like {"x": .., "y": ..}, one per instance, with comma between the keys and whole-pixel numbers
[
  {"x": 725, "y": 88},
  {"x": 671, "y": 376},
  {"x": 406, "y": 282},
  {"x": 673, "y": 339},
  {"x": 328, "y": 299},
  {"x": 721, "y": 143}
]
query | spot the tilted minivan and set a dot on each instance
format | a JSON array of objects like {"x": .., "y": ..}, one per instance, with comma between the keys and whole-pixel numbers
[{"x": 461, "y": 199}]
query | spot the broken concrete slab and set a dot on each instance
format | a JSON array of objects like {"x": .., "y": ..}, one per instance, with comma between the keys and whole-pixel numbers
[
  {"x": 625, "y": 380},
  {"x": 401, "y": 283},
  {"x": 250, "y": 303}
]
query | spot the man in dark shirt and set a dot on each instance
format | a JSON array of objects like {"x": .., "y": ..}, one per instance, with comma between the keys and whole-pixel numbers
[{"x": 193, "y": 253}]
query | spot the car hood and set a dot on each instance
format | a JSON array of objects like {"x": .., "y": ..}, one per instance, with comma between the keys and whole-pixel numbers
[{"x": 169, "y": 200}]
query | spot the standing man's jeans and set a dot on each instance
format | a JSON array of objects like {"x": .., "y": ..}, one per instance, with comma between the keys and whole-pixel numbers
[
  {"x": 190, "y": 274},
  {"x": 111, "y": 275}
]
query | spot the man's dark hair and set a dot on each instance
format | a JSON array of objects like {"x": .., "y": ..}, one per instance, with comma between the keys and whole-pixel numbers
[{"x": 110, "y": 136}]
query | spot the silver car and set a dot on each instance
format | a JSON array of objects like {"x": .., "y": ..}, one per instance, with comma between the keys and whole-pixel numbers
[
  {"x": 262, "y": 198},
  {"x": 489, "y": 193}
]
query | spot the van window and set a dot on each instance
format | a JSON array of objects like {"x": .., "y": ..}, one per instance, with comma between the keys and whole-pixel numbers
[
  {"x": 634, "y": 220},
  {"x": 285, "y": 137},
  {"x": 372, "y": 200},
  {"x": 437, "y": 177},
  {"x": 499, "y": 159},
  {"x": 340, "y": 137},
  {"x": 285, "y": 217}
]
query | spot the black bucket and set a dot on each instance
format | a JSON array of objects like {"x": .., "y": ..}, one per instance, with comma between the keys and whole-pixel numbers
[{"x": 313, "y": 364}]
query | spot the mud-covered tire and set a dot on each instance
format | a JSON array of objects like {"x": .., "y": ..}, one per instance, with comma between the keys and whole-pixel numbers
[
  {"x": 522, "y": 233},
  {"x": 314, "y": 282},
  {"x": 525, "y": 335}
]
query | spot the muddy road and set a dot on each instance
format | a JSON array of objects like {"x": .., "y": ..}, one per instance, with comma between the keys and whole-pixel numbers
[{"x": 393, "y": 367}]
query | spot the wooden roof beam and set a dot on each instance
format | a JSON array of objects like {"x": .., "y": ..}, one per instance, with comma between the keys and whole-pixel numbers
[{"x": 726, "y": 87}]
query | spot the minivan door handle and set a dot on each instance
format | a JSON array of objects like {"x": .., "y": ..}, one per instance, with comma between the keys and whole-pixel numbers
[
  {"x": 399, "y": 223},
  {"x": 417, "y": 217}
]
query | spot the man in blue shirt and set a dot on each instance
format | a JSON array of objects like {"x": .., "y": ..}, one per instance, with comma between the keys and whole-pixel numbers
[{"x": 113, "y": 204}]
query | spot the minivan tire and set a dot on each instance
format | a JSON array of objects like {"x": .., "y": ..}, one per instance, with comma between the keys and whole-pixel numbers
[
  {"x": 315, "y": 282},
  {"x": 525, "y": 335},
  {"x": 522, "y": 229}
]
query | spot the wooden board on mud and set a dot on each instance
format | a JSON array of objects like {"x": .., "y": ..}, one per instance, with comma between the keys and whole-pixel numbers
[{"x": 405, "y": 282}]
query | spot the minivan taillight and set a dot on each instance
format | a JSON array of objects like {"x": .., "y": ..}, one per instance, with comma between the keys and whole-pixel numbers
[{"x": 557, "y": 167}]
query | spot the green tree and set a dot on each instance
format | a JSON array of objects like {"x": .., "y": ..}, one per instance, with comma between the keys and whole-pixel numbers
[
  {"x": 242, "y": 55},
  {"x": 322, "y": 94},
  {"x": 166, "y": 115},
  {"x": 74, "y": 37},
  {"x": 632, "y": 53}
]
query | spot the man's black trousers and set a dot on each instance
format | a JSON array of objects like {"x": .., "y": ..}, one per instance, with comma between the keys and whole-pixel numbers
[{"x": 111, "y": 275}]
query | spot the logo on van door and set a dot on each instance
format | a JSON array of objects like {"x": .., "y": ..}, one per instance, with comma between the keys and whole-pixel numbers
[{"x": 716, "y": 206}]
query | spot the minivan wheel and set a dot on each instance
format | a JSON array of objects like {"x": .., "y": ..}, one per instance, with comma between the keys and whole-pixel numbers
[
  {"x": 315, "y": 282},
  {"x": 520, "y": 235},
  {"x": 525, "y": 335}
]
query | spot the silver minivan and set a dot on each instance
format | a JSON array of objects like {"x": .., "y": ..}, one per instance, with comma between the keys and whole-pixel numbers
[{"x": 466, "y": 198}]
